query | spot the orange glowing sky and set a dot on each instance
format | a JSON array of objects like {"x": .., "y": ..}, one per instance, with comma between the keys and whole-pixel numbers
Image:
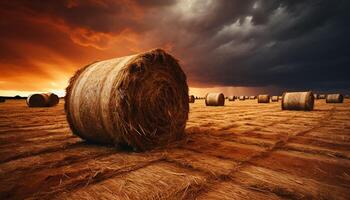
[
  {"x": 42, "y": 43},
  {"x": 44, "y": 51}
]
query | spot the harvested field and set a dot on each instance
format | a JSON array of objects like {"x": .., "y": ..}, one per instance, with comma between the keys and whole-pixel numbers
[{"x": 243, "y": 150}]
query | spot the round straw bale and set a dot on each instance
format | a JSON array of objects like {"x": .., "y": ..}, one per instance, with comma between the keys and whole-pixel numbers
[
  {"x": 316, "y": 96},
  {"x": 215, "y": 99},
  {"x": 321, "y": 96},
  {"x": 298, "y": 101},
  {"x": 42, "y": 100},
  {"x": 191, "y": 99},
  {"x": 279, "y": 97},
  {"x": 274, "y": 98},
  {"x": 2, "y": 100},
  {"x": 52, "y": 99},
  {"x": 138, "y": 101},
  {"x": 263, "y": 98},
  {"x": 37, "y": 100},
  {"x": 334, "y": 98},
  {"x": 241, "y": 98},
  {"x": 231, "y": 98},
  {"x": 252, "y": 97}
]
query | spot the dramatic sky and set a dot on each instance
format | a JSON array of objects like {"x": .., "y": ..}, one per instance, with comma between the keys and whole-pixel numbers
[{"x": 234, "y": 46}]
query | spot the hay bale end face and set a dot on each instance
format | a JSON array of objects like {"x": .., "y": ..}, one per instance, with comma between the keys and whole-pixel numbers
[
  {"x": 298, "y": 101},
  {"x": 139, "y": 101},
  {"x": 37, "y": 100},
  {"x": 264, "y": 98},
  {"x": 53, "y": 99},
  {"x": 191, "y": 99},
  {"x": 334, "y": 98},
  {"x": 215, "y": 99},
  {"x": 42, "y": 100},
  {"x": 274, "y": 98}
]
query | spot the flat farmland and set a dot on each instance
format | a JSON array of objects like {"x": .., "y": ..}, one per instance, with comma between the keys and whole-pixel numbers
[{"x": 243, "y": 150}]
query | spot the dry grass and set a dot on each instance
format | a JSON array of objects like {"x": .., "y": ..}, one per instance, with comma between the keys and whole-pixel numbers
[{"x": 243, "y": 150}]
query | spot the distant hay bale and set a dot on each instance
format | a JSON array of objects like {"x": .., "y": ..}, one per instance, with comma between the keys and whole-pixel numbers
[
  {"x": 231, "y": 98},
  {"x": 246, "y": 97},
  {"x": 241, "y": 98},
  {"x": 215, "y": 99},
  {"x": 316, "y": 96},
  {"x": 53, "y": 99},
  {"x": 2, "y": 100},
  {"x": 263, "y": 98},
  {"x": 42, "y": 100},
  {"x": 279, "y": 97},
  {"x": 252, "y": 97},
  {"x": 321, "y": 96},
  {"x": 274, "y": 98},
  {"x": 37, "y": 100},
  {"x": 138, "y": 101},
  {"x": 191, "y": 99},
  {"x": 298, "y": 101},
  {"x": 334, "y": 98}
]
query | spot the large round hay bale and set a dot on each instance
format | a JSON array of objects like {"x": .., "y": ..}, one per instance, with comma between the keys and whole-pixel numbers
[
  {"x": 263, "y": 98},
  {"x": 241, "y": 98},
  {"x": 231, "y": 98},
  {"x": 252, "y": 97},
  {"x": 215, "y": 99},
  {"x": 37, "y": 100},
  {"x": 274, "y": 98},
  {"x": 334, "y": 98},
  {"x": 2, "y": 100},
  {"x": 191, "y": 99},
  {"x": 297, "y": 101},
  {"x": 139, "y": 101},
  {"x": 321, "y": 96}
]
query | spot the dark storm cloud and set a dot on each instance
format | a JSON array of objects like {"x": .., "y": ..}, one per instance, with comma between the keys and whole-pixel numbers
[
  {"x": 302, "y": 47},
  {"x": 294, "y": 44}
]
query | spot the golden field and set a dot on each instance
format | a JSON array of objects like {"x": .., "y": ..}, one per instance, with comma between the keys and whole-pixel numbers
[{"x": 243, "y": 150}]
